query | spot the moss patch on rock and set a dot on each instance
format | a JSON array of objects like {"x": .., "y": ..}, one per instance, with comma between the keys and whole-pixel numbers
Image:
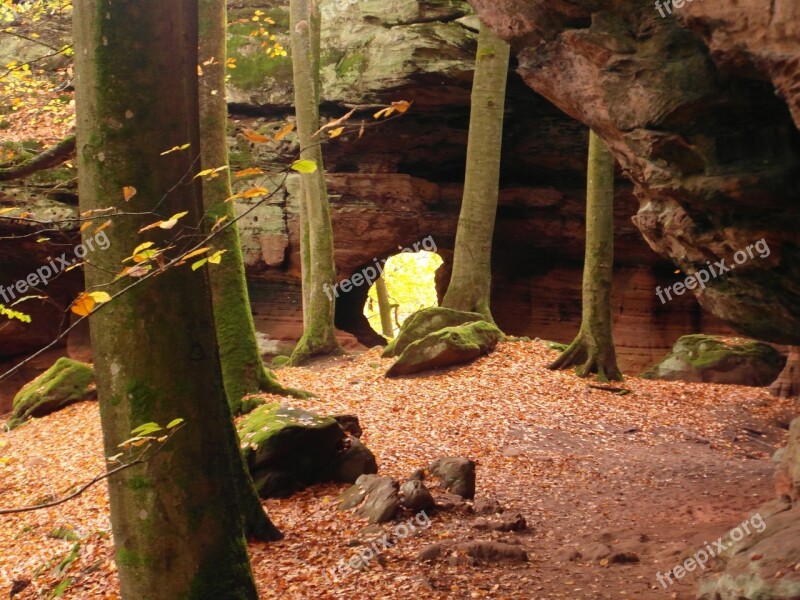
[
  {"x": 424, "y": 322},
  {"x": 66, "y": 382},
  {"x": 709, "y": 359},
  {"x": 447, "y": 347}
]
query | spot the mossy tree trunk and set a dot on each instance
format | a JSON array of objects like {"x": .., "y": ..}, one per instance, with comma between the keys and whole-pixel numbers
[
  {"x": 470, "y": 283},
  {"x": 787, "y": 385},
  {"x": 384, "y": 307},
  {"x": 319, "y": 268},
  {"x": 593, "y": 349},
  {"x": 177, "y": 533},
  {"x": 242, "y": 369}
]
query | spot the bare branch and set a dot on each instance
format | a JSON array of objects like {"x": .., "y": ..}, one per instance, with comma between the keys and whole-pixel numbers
[{"x": 46, "y": 160}]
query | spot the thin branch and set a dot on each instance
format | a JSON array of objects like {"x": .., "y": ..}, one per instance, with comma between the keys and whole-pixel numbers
[{"x": 33, "y": 40}]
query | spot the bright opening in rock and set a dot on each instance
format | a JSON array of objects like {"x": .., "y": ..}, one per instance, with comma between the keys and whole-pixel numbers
[{"x": 410, "y": 286}]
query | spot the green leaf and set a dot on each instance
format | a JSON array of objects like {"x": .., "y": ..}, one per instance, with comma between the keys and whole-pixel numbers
[
  {"x": 304, "y": 166},
  {"x": 199, "y": 264},
  {"x": 146, "y": 429},
  {"x": 174, "y": 423}
]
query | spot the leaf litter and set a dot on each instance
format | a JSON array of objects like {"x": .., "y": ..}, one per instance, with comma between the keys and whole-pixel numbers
[{"x": 650, "y": 472}]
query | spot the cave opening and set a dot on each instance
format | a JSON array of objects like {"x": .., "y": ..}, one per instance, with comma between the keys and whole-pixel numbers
[{"x": 410, "y": 285}]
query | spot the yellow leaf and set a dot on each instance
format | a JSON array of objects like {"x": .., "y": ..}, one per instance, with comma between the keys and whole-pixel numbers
[
  {"x": 336, "y": 132},
  {"x": 100, "y": 297},
  {"x": 284, "y": 132},
  {"x": 86, "y": 226},
  {"x": 175, "y": 149},
  {"x": 254, "y": 136},
  {"x": 173, "y": 220},
  {"x": 256, "y": 191},
  {"x": 4, "y": 211},
  {"x": 42, "y": 239},
  {"x": 232, "y": 198},
  {"x": 304, "y": 166},
  {"x": 199, "y": 264},
  {"x": 219, "y": 222},
  {"x": 194, "y": 253},
  {"x": 384, "y": 112},
  {"x": 216, "y": 258},
  {"x": 249, "y": 172},
  {"x": 141, "y": 247},
  {"x": 151, "y": 226}
]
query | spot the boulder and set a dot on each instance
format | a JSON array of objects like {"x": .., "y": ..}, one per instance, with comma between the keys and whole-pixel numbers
[
  {"x": 66, "y": 382},
  {"x": 416, "y": 496},
  {"x": 376, "y": 497},
  {"x": 424, "y": 322},
  {"x": 288, "y": 448},
  {"x": 709, "y": 359},
  {"x": 447, "y": 347},
  {"x": 457, "y": 475}
]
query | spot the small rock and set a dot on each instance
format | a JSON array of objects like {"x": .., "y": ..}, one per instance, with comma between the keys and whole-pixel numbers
[
  {"x": 510, "y": 522},
  {"x": 450, "y": 502},
  {"x": 596, "y": 552},
  {"x": 457, "y": 475},
  {"x": 487, "y": 506},
  {"x": 623, "y": 558},
  {"x": 419, "y": 475},
  {"x": 568, "y": 555},
  {"x": 416, "y": 496},
  {"x": 493, "y": 551},
  {"x": 350, "y": 464},
  {"x": 430, "y": 552}
]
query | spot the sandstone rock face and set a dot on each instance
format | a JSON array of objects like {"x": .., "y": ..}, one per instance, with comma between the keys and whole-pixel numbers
[{"x": 710, "y": 148}]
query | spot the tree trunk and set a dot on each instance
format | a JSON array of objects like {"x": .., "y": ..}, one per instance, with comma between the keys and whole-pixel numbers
[
  {"x": 177, "y": 531},
  {"x": 471, "y": 279},
  {"x": 593, "y": 349},
  {"x": 319, "y": 334},
  {"x": 384, "y": 307},
  {"x": 787, "y": 385},
  {"x": 243, "y": 371}
]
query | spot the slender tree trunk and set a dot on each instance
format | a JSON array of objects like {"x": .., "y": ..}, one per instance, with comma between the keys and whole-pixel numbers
[
  {"x": 177, "y": 532},
  {"x": 384, "y": 307},
  {"x": 787, "y": 385},
  {"x": 471, "y": 279},
  {"x": 593, "y": 349},
  {"x": 242, "y": 369},
  {"x": 319, "y": 335}
]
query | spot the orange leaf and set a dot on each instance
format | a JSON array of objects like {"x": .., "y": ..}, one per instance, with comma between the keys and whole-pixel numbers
[
  {"x": 83, "y": 305},
  {"x": 284, "y": 132},
  {"x": 249, "y": 172},
  {"x": 254, "y": 136},
  {"x": 128, "y": 192}
]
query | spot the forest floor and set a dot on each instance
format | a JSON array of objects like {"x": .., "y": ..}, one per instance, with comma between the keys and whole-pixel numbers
[{"x": 657, "y": 473}]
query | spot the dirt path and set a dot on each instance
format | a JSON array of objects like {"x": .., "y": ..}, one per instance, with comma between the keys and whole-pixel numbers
[{"x": 600, "y": 478}]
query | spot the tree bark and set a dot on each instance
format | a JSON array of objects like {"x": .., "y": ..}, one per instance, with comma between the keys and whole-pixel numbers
[
  {"x": 787, "y": 385},
  {"x": 384, "y": 307},
  {"x": 52, "y": 157},
  {"x": 470, "y": 283},
  {"x": 319, "y": 268},
  {"x": 593, "y": 349},
  {"x": 243, "y": 370},
  {"x": 177, "y": 530}
]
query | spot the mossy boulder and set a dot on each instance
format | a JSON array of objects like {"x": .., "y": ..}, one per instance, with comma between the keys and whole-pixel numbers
[
  {"x": 447, "y": 347},
  {"x": 424, "y": 322},
  {"x": 66, "y": 382},
  {"x": 288, "y": 448},
  {"x": 709, "y": 359}
]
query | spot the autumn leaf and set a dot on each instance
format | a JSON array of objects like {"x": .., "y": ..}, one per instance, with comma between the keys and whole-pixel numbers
[
  {"x": 335, "y": 123},
  {"x": 219, "y": 222},
  {"x": 254, "y": 136},
  {"x": 85, "y": 226},
  {"x": 4, "y": 211},
  {"x": 128, "y": 192},
  {"x": 192, "y": 254},
  {"x": 85, "y": 303},
  {"x": 216, "y": 258},
  {"x": 304, "y": 166},
  {"x": 256, "y": 191},
  {"x": 173, "y": 220},
  {"x": 334, "y": 133},
  {"x": 284, "y": 132},
  {"x": 175, "y": 149},
  {"x": 249, "y": 172},
  {"x": 104, "y": 226}
]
